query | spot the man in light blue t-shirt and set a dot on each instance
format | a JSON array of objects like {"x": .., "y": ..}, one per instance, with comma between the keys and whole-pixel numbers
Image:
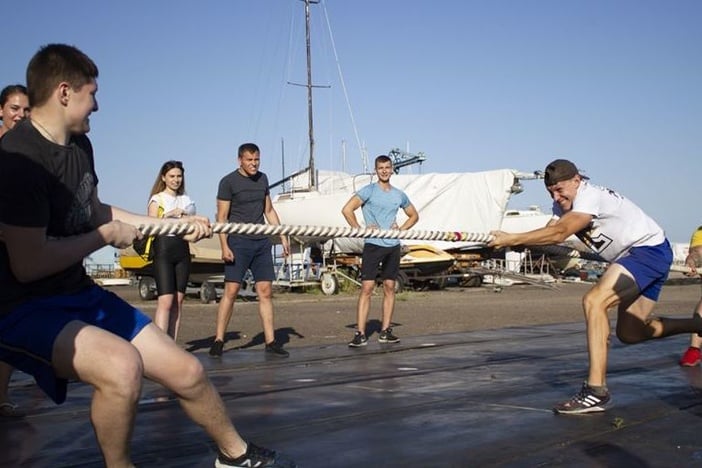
[{"x": 379, "y": 203}]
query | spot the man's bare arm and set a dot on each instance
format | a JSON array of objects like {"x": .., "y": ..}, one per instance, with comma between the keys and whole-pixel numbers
[
  {"x": 349, "y": 209},
  {"x": 272, "y": 218},
  {"x": 554, "y": 232},
  {"x": 412, "y": 217},
  {"x": 33, "y": 255}
]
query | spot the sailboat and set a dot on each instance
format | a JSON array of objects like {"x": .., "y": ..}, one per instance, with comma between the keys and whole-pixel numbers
[{"x": 468, "y": 202}]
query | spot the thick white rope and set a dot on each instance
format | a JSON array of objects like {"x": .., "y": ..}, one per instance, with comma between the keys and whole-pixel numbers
[
  {"x": 316, "y": 231},
  {"x": 684, "y": 269},
  {"x": 334, "y": 232}
]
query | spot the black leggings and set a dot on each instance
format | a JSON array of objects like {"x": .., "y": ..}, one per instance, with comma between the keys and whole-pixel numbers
[{"x": 171, "y": 264}]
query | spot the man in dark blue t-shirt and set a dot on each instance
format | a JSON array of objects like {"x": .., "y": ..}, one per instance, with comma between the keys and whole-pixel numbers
[{"x": 244, "y": 197}]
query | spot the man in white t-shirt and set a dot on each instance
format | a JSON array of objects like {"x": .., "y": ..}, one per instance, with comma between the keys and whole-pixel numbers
[{"x": 640, "y": 255}]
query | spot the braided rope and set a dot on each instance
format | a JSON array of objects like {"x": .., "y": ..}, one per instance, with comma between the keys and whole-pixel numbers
[
  {"x": 329, "y": 231},
  {"x": 684, "y": 269},
  {"x": 316, "y": 231}
]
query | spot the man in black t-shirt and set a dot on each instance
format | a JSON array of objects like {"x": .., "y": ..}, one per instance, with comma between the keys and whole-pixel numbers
[
  {"x": 243, "y": 197},
  {"x": 55, "y": 324}
]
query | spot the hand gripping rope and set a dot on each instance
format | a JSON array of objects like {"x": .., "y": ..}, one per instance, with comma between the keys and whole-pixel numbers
[{"x": 316, "y": 231}]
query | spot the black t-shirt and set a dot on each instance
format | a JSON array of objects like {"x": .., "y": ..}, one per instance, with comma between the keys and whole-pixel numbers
[
  {"x": 43, "y": 184},
  {"x": 247, "y": 196}
]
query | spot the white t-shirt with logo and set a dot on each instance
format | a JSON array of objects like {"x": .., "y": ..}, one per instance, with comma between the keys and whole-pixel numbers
[{"x": 617, "y": 225}]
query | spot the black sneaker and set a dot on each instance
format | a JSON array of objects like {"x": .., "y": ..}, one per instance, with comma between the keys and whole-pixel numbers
[
  {"x": 386, "y": 336},
  {"x": 254, "y": 457},
  {"x": 359, "y": 339},
  {"x": 276, "y": 350},
  {"x": 216, "y": 348},
  {"x": 585, "y": 401}
]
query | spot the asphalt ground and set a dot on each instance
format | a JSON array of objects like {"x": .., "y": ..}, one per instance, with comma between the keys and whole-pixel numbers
[
  {"x": 471, "y": 384},
  {"x": 310, "y": 318}
]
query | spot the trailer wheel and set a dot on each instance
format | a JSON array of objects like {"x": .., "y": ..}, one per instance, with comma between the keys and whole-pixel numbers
[
  {"x": 147, "y": 288},
  {"x": 208, "y": 293},
  {"x": 248, "y": 286},
  {"x": 401, "y": 282},
  {"x": 329, "y": 284},
  {"x": 472, "y": 282}
]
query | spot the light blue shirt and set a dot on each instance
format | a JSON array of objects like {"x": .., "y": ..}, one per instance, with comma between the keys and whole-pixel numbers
[{"x": 380, "y": 208}]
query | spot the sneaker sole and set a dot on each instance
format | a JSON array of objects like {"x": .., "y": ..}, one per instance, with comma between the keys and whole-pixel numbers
[
  {"x": 388, "y": 341},
  {"x": 593, "y": 409},
  {"x": 353, "y": 345}
]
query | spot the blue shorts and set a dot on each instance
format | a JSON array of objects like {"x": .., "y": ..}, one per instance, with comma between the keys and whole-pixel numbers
[
  {"x": 649, "y": 266},
  {"x": 28, "y": 332},
  {"x": 249, "y": 254}
]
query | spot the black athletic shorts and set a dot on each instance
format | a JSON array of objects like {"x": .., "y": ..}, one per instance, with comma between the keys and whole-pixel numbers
[{"x": 380, "y": 260}]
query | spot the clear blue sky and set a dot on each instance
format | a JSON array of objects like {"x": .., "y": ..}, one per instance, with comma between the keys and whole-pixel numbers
[{"x": 613, "y": 85}]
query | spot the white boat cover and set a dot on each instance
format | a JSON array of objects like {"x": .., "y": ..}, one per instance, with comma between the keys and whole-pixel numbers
[{"x": 468, "y": 202}]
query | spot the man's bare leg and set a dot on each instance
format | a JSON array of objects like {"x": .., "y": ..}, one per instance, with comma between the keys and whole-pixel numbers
[
  {"x": 615, "y": 288},
  {"x": 363, "y": 306},
  {"x": 114, "y": 368},
  {"x": 183, "y": 374},
  {"x": 264, "y": 291},
  {"x": 388, "y": 303},
  {"x": 226, "y": 308}
]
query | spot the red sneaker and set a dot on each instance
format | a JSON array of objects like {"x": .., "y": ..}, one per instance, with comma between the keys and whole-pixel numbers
[{"x": 691, "y": 358}]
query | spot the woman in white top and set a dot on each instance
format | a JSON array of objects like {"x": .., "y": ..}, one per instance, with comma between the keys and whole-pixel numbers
[{"x": 171, "y": 253}]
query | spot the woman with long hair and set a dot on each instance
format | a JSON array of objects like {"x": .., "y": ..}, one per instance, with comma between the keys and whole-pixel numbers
[
  {"x": 171, "y": 253},
  {"x": 14, "y": 107}
]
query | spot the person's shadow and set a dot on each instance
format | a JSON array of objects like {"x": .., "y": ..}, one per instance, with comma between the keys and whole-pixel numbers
[
  {"x": 205, "y": 343},
  {"x": 373, "y": 326},
  {"x": 282, "y": 337}
]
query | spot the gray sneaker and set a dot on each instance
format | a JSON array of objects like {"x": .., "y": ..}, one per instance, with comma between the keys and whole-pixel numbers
[
  {"x": 254, "y": 456},
  {"x": 585, "y": 401}
]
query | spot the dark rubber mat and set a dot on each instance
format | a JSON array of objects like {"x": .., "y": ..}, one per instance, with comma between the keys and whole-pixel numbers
[{"x": 452, "y": 400}]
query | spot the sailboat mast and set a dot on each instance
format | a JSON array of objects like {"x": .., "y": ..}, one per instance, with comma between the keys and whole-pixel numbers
[{"x": 310, "y": 121}]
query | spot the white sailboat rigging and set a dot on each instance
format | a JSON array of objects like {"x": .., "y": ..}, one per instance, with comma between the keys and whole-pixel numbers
[{"x": 472, "y": 202}]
